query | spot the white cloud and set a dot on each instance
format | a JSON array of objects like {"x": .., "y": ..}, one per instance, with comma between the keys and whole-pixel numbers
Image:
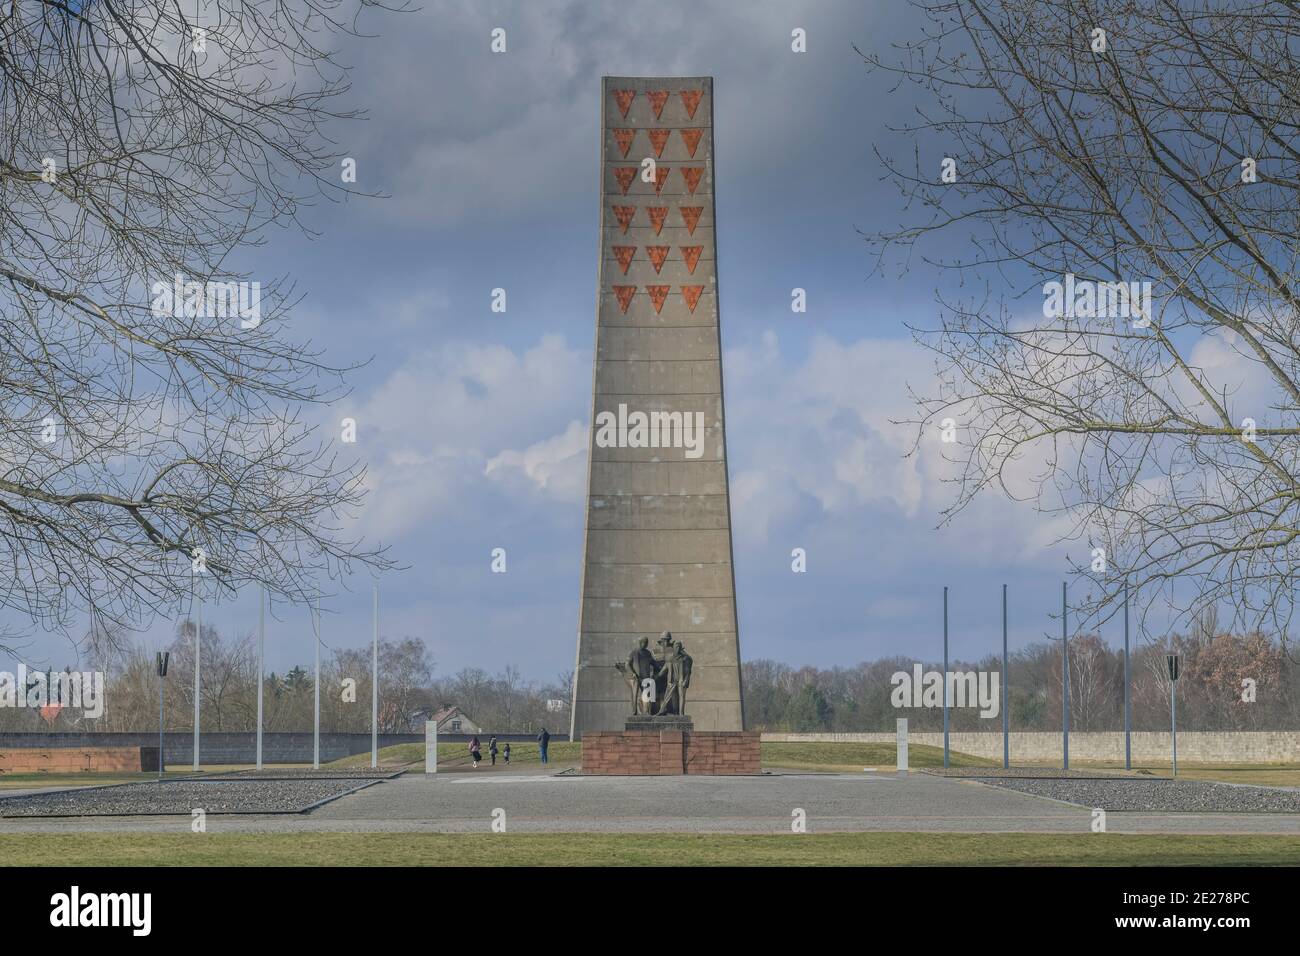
[
  {"x": 815, "y": 449},
  {"x": 434, "y": 427},
  {"x": 557, "y": 466}
]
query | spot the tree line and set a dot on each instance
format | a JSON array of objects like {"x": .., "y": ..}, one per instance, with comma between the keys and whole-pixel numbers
[
  {"x": 1226, "y": 682},
  {"x": 500, "y": 703}
]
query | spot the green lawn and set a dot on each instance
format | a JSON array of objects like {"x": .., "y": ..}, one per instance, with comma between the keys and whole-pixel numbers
[
  {"x": 851, "y": 757},
  {"x": 662, "y": 849}
]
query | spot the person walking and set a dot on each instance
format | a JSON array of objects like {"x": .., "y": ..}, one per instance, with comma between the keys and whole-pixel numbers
[
  {"x": 492, "y": 750},
  {"x": 506, "y": 752},
  {"x": 543, "y": 741},
  {"x": 475, "y": 751}
]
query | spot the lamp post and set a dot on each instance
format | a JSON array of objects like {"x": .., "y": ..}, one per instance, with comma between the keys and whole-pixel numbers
[
  {"x": 163, "y": 657},
  {"x": 261, "y": 667},
  {"x": 1174, "y": 666}
]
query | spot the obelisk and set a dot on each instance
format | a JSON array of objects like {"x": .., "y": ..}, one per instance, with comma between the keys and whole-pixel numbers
[{"x": 657, "y": 550}]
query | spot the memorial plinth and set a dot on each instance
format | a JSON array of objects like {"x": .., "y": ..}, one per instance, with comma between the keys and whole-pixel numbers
[
  {"x": 654, "y": 724},
  {"x": 635, "y": 753}
]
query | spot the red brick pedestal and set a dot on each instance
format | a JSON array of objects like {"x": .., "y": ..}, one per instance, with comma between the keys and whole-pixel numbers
[{"x": 670, "y": 752}]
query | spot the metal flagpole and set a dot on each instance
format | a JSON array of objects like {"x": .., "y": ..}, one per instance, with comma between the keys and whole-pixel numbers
[
  {"x": 1128, "y": 693},
  {"x": 1006, "y": 727},
  {"x": 1173, "y": 662},
  {"x": 1065, "y": 686},
  {"x": 198, "y": 635},
  {"x": 315, "y": 759},
  {"x": 945, "y": 677},
  {"x": 261, "y": 668},
  {"x": 374, "y": 687}
]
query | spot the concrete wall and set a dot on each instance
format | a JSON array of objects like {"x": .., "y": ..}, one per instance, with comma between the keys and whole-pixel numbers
[
  {"x": 219, "y": 748},
  {"x": 657, "y": 551},
  {"x": 1194, "y": 747}
]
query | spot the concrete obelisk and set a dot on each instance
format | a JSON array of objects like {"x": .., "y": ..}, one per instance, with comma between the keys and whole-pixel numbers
[{"x": 658, "y": 554}]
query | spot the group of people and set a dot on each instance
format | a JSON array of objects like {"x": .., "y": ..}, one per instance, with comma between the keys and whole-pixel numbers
[{"x": 476, "y": 749}]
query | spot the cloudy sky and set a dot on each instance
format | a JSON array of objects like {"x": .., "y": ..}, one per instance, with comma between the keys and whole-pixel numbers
[{"x": 474, "y": 423}]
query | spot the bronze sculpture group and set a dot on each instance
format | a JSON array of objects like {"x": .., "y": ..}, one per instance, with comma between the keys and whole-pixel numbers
[{"x": 658, "y": 682}]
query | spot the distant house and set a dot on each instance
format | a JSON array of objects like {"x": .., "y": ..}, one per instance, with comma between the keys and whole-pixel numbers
[{"x": 450, "y": 720}]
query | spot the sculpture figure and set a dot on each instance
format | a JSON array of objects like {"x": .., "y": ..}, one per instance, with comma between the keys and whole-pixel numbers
[
  {"x": 670, "y": 672},
  {"x": 639, "y": 667}
]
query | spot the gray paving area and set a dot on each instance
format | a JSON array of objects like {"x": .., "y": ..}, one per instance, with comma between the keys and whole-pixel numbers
[
  {"x": 172, "y": 797},
  {"x": 1156, "y": 795},
  {"x": 536, "y": 802}
]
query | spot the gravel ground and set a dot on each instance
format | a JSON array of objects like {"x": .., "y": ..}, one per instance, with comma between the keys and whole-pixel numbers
[
  {"x": 1155, "y": 796},
  {"x": 182, "y": 797},
  {"x": 305, "y": 773},
  {"x": 1047, "y": 773}
]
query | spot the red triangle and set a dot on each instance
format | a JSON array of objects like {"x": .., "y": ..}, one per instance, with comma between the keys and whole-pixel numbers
[
  {"x": 661, "y": 177},
  {"x": 692, "y": 255},
  {"x": 692, "y": 176},
  {"x": 624, "y": 256},
  {"x": 624, "y": 100},
  {"x": 624, "y": 216},
  {"x": 624, "y": 139},
  {"x": 657, "y": 100},
  {"x": 691, "y": 216},
  {"x": 691, "y": 293},
  {"x": 691, "y": 137},
  {"x": 658, "y": 139},
  {"x": 624, "y": 293},
  {"x": 657, "y": 255},
  {"x": 625, "y": 175},
  {"x": 657, "y": 215},
  {"x": 658, "y": 293},
  {"x": 691, "y": 100}
]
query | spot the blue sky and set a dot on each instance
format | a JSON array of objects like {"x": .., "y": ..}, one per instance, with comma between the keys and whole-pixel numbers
[{"x": 473, "y": 423}]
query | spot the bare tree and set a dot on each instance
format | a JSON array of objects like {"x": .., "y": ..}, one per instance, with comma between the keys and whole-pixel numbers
[
  {"x": 1092, "y": 682},
  {"x": 152, "y": 404},
  {"x": 1100, "y": 145}
]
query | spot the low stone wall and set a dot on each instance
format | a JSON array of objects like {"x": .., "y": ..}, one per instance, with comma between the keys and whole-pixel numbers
[
  {"x": 1268, "y": 746},
  {"x": 76, "y": 760},
  {"x": 216, "y": 748},
  {"x": 670, "y": 752}
]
